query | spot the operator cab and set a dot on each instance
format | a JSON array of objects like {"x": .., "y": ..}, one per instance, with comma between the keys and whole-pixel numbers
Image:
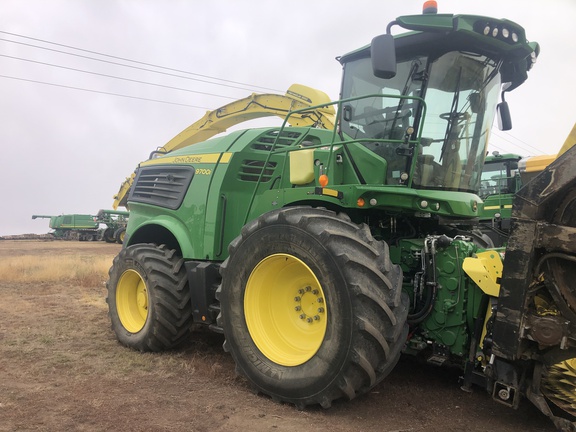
[
  {"x": 431, "y": 115},
  {"x": 500, "y": 175}
]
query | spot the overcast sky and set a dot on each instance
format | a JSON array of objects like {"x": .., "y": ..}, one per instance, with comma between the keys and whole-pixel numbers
[{"x": 66, "y": 150}]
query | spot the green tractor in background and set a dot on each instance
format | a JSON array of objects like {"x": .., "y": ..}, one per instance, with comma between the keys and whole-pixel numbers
[
  {"x": 116, "y": 222},
  {"x": 322, "y": 254},
  {"x": 498, "y": 186},
  {"x": 503, "y": 176}
]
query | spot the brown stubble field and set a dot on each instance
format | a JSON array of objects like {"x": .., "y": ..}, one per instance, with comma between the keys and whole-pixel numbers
[{"x": 62, "y": 369}]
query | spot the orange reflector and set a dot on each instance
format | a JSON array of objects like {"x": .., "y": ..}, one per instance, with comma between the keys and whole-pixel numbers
[
  {"x": 323, "y": 180},
  {"x": 360, "y": 202}
]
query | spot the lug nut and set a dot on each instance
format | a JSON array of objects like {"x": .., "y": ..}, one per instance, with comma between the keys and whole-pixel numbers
[
  {"x": 320, "y": 300},
  {"x": 315, "y": 292},
  {"x": 317, "y": 317},
  {"x": 297, "y": 308},
  {"x": 297, "y": 298},
  {"x": 300, "y": 291},
  {"x": 309, "y": 319},
  {"x": 308, "y": 288},
  {"x": 302, "y": 316},
  {"x": 321, "y": 309}
]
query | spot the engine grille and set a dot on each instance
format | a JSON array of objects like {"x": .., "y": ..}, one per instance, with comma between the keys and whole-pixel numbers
[
  {"x": 251, "y": 170},
  {"x": 266, "y": 141},
  {"x": 162, "y": 186}
]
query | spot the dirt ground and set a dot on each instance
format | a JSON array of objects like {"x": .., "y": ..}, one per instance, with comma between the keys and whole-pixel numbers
[{"x": 62, "y": 369}]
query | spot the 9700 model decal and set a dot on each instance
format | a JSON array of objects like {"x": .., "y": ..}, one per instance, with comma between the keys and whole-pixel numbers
[{"x": 203, "y": 171}]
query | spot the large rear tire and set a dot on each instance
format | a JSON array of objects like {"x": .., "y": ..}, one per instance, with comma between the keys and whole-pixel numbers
[
  {"x": 108, "y": 235},
  {"x": 148, "y": 298},
  {"x": 119, "y": 235},
  {"x": 311, "y": 306}
]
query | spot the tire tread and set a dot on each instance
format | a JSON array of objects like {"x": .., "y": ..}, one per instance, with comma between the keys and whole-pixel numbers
[{"x": 375, "y": 284}]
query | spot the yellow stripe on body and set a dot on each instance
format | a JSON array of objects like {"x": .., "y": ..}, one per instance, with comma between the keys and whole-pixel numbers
[
  {"x": 210, "y": 158},
  {"x": 507, "y": 206}
]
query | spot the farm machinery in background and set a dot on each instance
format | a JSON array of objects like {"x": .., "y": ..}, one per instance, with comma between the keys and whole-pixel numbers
[
  {"x": 502, "y": 176},
  {"x": 115, "y": 221},
  {"x": 498, "y": 186},
  {"x": 84, "y": 227},
  {"x": 324, "y": 250},
  {"x": 81, "y": 227}
]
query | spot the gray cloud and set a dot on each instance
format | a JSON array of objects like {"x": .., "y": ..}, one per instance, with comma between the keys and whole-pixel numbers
[{"x": 67, "y": 151}]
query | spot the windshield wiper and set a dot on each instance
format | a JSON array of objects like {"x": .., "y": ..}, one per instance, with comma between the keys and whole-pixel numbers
[
  {"x": 452, "y": 116},
  {"x": 411, "y": 77}
]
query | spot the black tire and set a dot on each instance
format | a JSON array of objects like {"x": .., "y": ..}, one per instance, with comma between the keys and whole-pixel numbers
[
  {"x": 148, "y": 298},
  {"x": 563, "y": 269},
  {"x": 365, "y": 309},
  {"x": 119, "y": 235},
  {"x": 108, "y": 235}
]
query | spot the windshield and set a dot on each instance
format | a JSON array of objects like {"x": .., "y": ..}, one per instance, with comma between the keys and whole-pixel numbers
[
  {"x": 380, "y": 122},
  {"x": 460, "y": 91},
  {"x": 386, "y": 116}
]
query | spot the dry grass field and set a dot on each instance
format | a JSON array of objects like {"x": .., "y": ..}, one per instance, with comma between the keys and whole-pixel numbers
[{"x": 62, "y": 369}]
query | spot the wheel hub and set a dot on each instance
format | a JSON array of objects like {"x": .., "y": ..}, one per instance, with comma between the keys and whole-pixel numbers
[
  {"x": 142, "y": 299},
  {"x": 309, "y": 305}
]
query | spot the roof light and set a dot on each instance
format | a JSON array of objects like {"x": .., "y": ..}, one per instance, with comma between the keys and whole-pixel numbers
[
  {"x": 533, "y": 58},
  {"x": 498, "y": 29},
  {"x": 430, "y": 7}
]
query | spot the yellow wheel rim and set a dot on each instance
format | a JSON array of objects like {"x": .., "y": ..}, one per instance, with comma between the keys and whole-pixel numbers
[
  {"x": 285, "y": 310},
  {"x": 122, "y": 235},
  {"x": 132, "y": 301}
]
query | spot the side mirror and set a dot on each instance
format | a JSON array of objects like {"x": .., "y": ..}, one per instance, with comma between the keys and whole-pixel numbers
[
  {"x": 383, "y": 53},
  {"x": 504, "y": 118}
]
